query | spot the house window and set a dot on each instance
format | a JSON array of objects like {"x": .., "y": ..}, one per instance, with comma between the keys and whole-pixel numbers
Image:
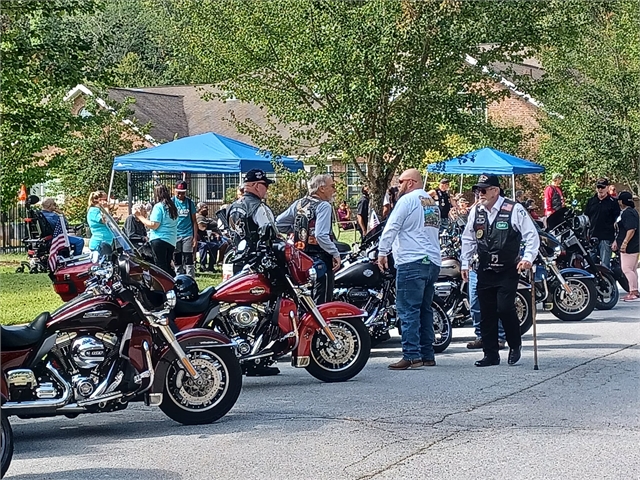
[
  {"x": 218, "y": 184},
  {"x": 354, "y": 183}
]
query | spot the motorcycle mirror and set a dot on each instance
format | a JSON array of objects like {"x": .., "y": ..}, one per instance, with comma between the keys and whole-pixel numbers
[{"x": 123, "y": 268}]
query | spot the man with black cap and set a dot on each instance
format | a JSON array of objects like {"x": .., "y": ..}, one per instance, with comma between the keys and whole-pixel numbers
[
  {"x": 495, "y": 228},
  {"x": 602, "y": 211},
  {"x": 187, "y": 239},
  {"x": 249, "y": 212},
  {"x": 444, "y": 200}
]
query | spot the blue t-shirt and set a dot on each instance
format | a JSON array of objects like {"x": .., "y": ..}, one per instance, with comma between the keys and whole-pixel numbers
[
  {"x": 185, "y": 221},
  {"x": 168, "y": 226},
  {"x": 99, "y": 231}
]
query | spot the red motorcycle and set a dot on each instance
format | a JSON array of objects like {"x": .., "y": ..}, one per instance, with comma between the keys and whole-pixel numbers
[
  {"x": 267, "y": 310},
  {"x": 112, "y": 345}
]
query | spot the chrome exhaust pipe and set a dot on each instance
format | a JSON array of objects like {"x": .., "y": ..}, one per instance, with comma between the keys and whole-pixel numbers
[{"x": 44, "y": 404}]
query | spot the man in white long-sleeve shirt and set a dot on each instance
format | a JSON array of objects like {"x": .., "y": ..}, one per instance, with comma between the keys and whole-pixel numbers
[
  {"x": 495, "y": 229},
  {"x": 412, "y": 234},
  {"x": 309, "y": 219}
]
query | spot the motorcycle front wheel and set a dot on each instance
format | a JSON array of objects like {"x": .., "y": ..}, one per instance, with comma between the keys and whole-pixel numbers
[
  {"x": 577, "y": 305},
  {"x": 6, "y": 439},
  {"x": 331, "y": 364},
  {"x": 607, "y": 291},
  {"x": 205, "y": 399}
]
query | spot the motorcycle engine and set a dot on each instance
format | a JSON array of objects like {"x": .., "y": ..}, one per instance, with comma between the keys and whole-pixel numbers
[
  {"x": 87, "y": 352},
  {"x": 444, "y": 289},
  {"x": 358, "y": 296},
  {"x": 244, "y": 317}
]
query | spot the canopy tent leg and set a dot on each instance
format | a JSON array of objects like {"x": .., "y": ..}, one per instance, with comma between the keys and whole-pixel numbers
[
  {"x": 129, "y": 192},
  {"x": 113, "y": 172},
  {"x": 513, "y": 186},
  {"x": 424, "y": 187},
  {"x": 461, "y": 178}
]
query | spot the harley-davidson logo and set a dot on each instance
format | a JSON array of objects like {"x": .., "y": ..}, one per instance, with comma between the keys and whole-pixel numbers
[
  {"x": 257, "y": 290},
  {"x": 367, "y": 273},
  {"x": 97, "y": 314}
]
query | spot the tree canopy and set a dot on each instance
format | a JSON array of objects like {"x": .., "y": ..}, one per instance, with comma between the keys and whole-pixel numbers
[{"x": 382, "y": 81}]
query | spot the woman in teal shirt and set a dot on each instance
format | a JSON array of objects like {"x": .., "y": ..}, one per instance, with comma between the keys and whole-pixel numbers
[
  {"x": 99, "y": 231},
  {"x": 163, "y": 228}
]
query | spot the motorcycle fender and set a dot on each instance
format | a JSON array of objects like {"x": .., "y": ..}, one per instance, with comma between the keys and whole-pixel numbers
[
  {"x": 329, "y": 311},
  {"x": 187, "y": 339},
  {"x": 603, "y": 269},
  {"x": 575, "y": 273}
]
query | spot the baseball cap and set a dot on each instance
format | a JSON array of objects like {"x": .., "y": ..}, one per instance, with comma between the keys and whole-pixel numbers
[
  {"x": 444, "y": 180},
  {"x": 181, "y": 187},
  {"x": 602, "y": 182},
  {"x": 200, "y": 205},
  {"x": 486, "y": 180},
  {"x": 257, "y": 175}
]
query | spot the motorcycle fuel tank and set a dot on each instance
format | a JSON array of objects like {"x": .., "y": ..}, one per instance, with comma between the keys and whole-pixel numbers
[
  {"x": 365, "y": 274},
  {"x": 450, "y": 268},
  {"x": 249, "y": 288}
]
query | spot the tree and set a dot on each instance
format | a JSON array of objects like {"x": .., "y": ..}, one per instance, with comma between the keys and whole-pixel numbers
[
  {"x": 40, "y": 62},
  {"x": 592, "y": 88},
  {"x": 85, "y": 162},
  {"x": 375, "y": 79}
]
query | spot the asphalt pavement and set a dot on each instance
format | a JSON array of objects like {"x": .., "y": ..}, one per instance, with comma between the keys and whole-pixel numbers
[{"x": 577, "y": 417}]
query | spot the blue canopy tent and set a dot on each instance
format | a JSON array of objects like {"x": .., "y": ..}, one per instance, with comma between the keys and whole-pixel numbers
[
  {"x": 487, "y": 160},
  {"x": 206, "y": 153}
]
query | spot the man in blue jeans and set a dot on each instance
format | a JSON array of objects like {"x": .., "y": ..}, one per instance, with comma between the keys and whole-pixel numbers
[
  {"x": 412, "y": 233},
  {"x": 474, "y": 308}
]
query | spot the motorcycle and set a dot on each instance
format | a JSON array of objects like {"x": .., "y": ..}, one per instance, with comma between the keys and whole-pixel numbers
[
  {"x": 572, "y": 230},
  {"x": 113, "y": 345},
  {"x": 454, "y": 293},
  {"x": 569, "y": 293},
  {"x": 361, "y": 282},
  {"x": 268, "y": 311},
  {"x": 6, "y": 444}
]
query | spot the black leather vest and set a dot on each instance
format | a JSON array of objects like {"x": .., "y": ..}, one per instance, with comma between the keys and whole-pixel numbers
[
  {"x": 240, "y": 218},
  {"x": 304, "y": 226},
  {"x": 499, "y": 242},
  {"x": 556, "y": 199},
  {"x": 444, "y": 202}
]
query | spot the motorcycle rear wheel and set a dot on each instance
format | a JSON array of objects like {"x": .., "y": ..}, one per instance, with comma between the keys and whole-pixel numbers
[
  {"x": 523, "y": 309},
  {"x": 579, "y": 307},
  {"x": 441, "y": 326},
  {"x": 607, "y": 296},
  {"x": 332, "y": 365},
  {"x": 6, "y": 440},
  {"x": 192, "y": 403}
]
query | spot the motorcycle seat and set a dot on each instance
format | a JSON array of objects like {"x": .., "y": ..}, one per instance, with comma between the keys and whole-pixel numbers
[
  {"x": 25, "y": 335},
  {"x": 342, "y": 247},
  {"x": 195, "y": 306}
]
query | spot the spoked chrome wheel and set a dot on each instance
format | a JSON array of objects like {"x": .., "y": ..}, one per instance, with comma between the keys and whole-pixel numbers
[
  {"x": 441, "y": 326},
  {"x": 208, "y": 397},
  {"x": 523, "y": 310},
  {"x": 576, "y": 305},
  {"x": 340, "y": 361}
]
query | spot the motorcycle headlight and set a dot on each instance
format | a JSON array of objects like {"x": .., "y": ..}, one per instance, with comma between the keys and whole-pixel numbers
[{"x": 313, "y": 275}]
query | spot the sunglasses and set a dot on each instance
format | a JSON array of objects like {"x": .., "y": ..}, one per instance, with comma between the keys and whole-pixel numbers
[
  {"x": 600, "y": 186},
  {"x": 401, "y": 181},
  {"x": 264, "y": 184},
  {"x": 484, "y": 191}
]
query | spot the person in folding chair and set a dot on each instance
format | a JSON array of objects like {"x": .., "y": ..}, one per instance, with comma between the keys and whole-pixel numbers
[{"x": 53, "y": 215}]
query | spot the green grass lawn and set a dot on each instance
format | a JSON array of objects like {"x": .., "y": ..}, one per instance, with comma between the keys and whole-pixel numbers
[{"x": 24, "y": 296}]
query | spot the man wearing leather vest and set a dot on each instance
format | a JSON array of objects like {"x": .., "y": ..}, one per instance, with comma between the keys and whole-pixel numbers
[
  {"x": 495, "y": 229},
  {"x": 309, "y": 219},
  {"x": 444, "y": 200},
  {"x": 249, "y": 212}
]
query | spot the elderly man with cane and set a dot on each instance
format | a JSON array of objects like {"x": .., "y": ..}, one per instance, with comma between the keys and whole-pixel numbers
[{"x": 495, "y": 228}]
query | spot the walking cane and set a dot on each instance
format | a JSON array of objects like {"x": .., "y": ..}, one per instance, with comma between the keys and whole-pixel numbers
[{"x": 533, "y": 316}]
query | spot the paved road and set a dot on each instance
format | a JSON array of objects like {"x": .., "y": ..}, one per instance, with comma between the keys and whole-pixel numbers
[{"x": 577, "y": 417}]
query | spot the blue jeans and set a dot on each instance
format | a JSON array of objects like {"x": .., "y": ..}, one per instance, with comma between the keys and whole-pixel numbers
[
  {"x": 415, "y": 286},
  {"x": 474, "y": 307},
  {"x": 605, "y": 253},
  {"x": 77, "y": 244}
]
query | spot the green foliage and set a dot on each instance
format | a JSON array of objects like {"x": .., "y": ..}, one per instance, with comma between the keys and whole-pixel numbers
[
  {"x": 379, "y": 80},
  {"x": 40, "y": 63},
  {"x": 288, "y": 188},
  {"x": 592, "y": 87},
  {"x": 87, "y": 156}
]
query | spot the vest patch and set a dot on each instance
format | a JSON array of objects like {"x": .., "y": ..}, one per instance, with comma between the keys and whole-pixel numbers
[
  {"x": 479, "y": 234},
  {"x": 502, "y": 225}
]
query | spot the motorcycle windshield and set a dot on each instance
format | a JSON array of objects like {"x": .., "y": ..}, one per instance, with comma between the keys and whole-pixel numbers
[{"x": 118, "y": 236}]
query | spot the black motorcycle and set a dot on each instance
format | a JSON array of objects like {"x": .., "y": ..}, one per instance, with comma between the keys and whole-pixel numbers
[
  {"x": 569, "y": 293},
  {"x": 572, "y": 230},
  {"x": 361, "y": 283}
]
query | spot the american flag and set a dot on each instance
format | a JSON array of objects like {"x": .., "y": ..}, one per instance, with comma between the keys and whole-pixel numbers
[{"x": 59, "y": 242}]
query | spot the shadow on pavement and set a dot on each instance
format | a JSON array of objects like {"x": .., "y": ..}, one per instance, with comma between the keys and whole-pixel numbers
[{"x": 102, "y": 473}]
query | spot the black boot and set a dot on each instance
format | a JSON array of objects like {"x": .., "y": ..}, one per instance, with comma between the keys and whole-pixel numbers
[{"x": 487, "y": 361}]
